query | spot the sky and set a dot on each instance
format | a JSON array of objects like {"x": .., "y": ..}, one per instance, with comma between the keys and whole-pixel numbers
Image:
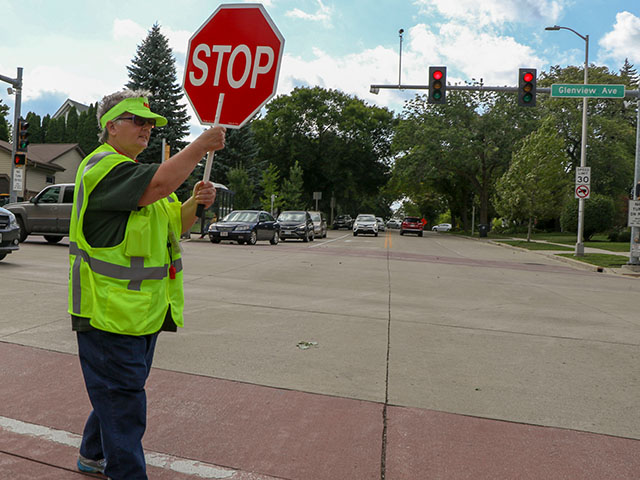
[{"x": 80, "y": 49}]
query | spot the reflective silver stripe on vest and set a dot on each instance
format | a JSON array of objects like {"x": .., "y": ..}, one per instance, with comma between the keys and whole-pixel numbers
[
  {"x": 91, "y": 163},
  {"x": 135, "y": 273},
  {"x": 75, "y": 269}
]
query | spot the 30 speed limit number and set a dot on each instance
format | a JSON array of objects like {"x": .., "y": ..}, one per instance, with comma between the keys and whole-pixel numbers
[{"x": 583, "y": 182}]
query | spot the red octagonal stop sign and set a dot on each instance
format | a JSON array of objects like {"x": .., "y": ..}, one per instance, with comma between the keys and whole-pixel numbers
[{"x": 233, "y": 62}]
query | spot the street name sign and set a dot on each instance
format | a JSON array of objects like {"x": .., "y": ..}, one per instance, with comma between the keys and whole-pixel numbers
[
  {"x": 583, "y": 182},
  {"x": 588, "y": 90}
]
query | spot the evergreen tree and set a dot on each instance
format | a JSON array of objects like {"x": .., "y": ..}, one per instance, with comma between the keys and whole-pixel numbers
[
  {"x": 629, "y": 75},
  {"x": 269, "y": 184},
  {"x": 36, "y": 134},
  {"x": 71, "y": 127},
  {"x": 240, "y": 184},
  {"x": 5, "y": 132},
  {"x": 153, "y": 68},
  {"x": 55, "y": 131},
  {"x": 87, "y": 136},
  {"x": 240, "y": 149},
  {"x": 46, "y": 122},
  {"x": 293, "y": 188}
]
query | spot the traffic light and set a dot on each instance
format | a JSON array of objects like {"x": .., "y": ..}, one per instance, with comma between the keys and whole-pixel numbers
[
  {"x": 23, "y": 135},
  {"x": 20, "y": 159},
  {"x": 527, "y": 87},
  {"x": 437, "y": 85}
]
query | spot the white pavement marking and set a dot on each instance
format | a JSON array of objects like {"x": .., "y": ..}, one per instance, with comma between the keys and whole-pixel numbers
[
  {"x": 328, "y": 241},
  {"x": 160, "y": 460}
]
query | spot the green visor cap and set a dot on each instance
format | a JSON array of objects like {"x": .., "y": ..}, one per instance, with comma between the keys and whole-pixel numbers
[{"x": 137, "y": 106}]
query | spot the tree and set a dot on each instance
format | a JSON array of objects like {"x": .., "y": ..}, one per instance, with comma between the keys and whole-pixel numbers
[
  {"x": 240, "y": 183},
  {"x": 292, "y": 189},
  {"x": 599, "y": 211},
  {"x": 341, "y": 144},
  {"x": 537, "y": 179},
  {"x": 270, "y": 187},
  {"x": 153, "y": 69},
  {"x": 629, "y": 75},
  {"x": 71, "y": 126},
  {"x": 54, "y": 131},
  {"x": 36, "y": 132},
  {"x": 88, "y": 130},
  {"x": 5, "y": 132},
  {"x": 458, "y": 150},
  {"x": 610, "y": 134}
]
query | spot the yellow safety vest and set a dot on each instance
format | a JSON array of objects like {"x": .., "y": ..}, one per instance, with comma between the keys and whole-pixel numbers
[{"x": 127, "y": 288}]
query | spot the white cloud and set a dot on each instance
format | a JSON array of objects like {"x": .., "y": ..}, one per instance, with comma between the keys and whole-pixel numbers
[
  {"x": 624, "y": 40},
  {"x": 323, "y": 14},
  {"x": 352, "y": 74},
  {"x": 493, "y": 58},
  {"x": 495, "y": 12}
]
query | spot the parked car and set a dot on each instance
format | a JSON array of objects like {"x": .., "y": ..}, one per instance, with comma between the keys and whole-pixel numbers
[
  {"x": 319, "y": 224},
  {"x": 296, "y": 224},
  {"x": 9, "y": 233},
  {"x": 365, "y": 223},
  {"x": 411, "y": 225},
  {"x": 393, "y": 223},
  {"x": 441, "y": 227},
  {"x": 48, "y": 213},
  {"x": 381, "y": 227},
  {"x": 246, "y": 226},
  {"x": 343, "y": 221}
]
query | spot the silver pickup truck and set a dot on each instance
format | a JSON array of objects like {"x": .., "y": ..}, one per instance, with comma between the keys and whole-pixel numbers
[{"x": 48, "y": 213}]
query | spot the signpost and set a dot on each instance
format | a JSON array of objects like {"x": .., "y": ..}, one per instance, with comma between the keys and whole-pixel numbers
[
  {"x": 583, "y": 182},
  {"x": 232, "y": 67},
  {"x": 588, "y": 90}
]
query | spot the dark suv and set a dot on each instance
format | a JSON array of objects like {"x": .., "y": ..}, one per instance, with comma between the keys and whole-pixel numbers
[
  {"x": 343, "y": 221},
  {"x": 296, "y": 224}
]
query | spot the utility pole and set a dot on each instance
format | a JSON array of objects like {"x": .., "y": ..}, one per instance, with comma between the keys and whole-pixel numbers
[{"x": 16, "y": 83}]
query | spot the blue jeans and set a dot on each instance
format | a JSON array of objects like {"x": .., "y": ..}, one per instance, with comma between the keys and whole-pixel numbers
[{"x": 115, "y": 369}]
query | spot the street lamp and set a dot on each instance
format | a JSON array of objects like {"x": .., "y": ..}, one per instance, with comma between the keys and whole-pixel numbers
[{"x": 583, "y": 148}]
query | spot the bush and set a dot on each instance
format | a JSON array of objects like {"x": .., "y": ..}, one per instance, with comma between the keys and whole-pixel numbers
[
  {"x": 619, "y": 235},
  {"x": 599, "y": 212}
]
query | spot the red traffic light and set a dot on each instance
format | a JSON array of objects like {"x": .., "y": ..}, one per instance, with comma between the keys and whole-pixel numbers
[
  {"x": 528, "y": 77},
  {"x": 20, "y": 159},
  {"x": 437, "y": 85}
]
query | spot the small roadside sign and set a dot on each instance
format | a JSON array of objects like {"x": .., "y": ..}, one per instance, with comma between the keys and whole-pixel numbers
[
  {"x": 17, "y": 179},
  {"x": 634, "y": 213},
  {"x": 588, "y": 90},
  {"x": 583, "y": 182}
]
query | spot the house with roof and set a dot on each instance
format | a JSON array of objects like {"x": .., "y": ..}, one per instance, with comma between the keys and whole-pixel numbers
[
  {"x": 63, "y": 111},
  {"x": 47, "y": 163}
]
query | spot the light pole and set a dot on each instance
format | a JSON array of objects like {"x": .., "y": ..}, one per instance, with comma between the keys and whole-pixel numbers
[
  {"x": 579, "y": 252},
  {"x": 400, "y": 32}
]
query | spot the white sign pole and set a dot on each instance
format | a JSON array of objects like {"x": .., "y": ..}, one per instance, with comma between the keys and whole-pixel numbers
[{"x": 207, "y": 167}]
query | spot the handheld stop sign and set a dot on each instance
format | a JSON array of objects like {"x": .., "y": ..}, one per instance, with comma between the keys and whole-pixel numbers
[{"x": 232, "y": 67}]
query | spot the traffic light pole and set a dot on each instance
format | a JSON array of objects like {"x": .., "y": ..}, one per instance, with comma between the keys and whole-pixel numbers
[
  {"x": 17, "y": 85},
  {"x": 471, "y": 88}
]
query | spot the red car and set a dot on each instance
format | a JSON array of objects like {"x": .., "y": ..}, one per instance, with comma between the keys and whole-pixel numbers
[{"x": 412, "y": 225}]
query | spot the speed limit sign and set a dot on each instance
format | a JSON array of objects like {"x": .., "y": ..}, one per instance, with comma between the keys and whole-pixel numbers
[{"x": 583, "y": 182}]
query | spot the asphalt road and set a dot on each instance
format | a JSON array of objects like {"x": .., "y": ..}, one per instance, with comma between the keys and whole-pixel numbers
[{"x": 440, "y": 322}]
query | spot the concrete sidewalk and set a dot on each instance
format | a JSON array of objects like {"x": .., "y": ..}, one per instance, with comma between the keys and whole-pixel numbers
[{"x": 203, "y": 427}]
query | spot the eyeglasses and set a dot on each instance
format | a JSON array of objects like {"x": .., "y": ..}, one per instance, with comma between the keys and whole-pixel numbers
[{"x": 140, "y": 121}]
